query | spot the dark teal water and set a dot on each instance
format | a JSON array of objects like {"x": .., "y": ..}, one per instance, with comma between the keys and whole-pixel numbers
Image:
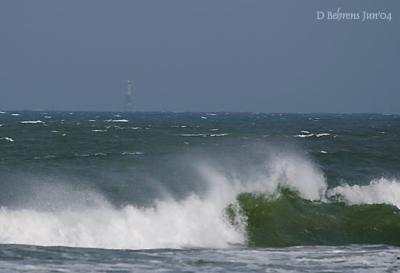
[{"x": 218, "y": 186}]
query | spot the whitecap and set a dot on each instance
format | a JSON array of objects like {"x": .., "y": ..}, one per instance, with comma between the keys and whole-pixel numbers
[
  {"x": 219, "y": 135},
  {"x": 322, "y": 134},
  {"x": 32, "y": 122},
  {"x": 8, "y": 139},
  {"x": 117, "y": 120},
  {"x": 378, "y": 191},
  {"x": 304, "y": 135},
  {"x": 15, "y": 114}
]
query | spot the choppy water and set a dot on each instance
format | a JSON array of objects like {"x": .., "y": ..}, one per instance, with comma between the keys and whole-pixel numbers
[
  {"x": 199, "y": 192},
  {"x": 353, "y": 258}
]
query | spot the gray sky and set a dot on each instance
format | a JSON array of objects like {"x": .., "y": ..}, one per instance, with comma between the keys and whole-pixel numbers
[{"x": 203, "y": 55}]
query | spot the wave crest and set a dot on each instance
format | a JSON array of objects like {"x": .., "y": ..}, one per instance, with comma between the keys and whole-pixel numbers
[
  {"x": 284, "y": 202},
  {"x": 380, "y": 191}
]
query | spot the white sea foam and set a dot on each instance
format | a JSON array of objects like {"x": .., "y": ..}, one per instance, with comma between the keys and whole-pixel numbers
[
  {"x": 304, "y": 135},
  {"x": 219, "y": 135},
  {"x": 295, "y": 172},
  {"x": 32, "y": 122},
  {"x": 15, "y": 114},
  {"x": 379, "y": 191},
  {"x": 117, "y": 120},
  {"x": 192, "y": 222},
  {"x": 9, "y": 139},
  {"x": 322, "y": 134}
]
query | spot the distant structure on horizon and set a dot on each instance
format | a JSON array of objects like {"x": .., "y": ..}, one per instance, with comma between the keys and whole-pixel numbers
[{"x": 128, "y": 97}]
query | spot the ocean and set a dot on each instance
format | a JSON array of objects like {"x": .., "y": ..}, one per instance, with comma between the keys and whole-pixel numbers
[{"x": 199, "y": 192}]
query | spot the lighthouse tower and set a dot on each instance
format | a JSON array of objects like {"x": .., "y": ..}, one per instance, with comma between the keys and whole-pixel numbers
[{"x": 128, "y": 97}]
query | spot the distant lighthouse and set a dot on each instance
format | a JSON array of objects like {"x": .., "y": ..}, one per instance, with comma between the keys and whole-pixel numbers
[{"x": 128, "y": 97}]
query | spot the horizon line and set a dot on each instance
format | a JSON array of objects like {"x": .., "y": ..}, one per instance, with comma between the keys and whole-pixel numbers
[{"x": 200, "y": 112}]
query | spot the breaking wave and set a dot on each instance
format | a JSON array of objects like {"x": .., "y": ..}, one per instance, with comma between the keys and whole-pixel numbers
[{"x": 286, "y": 202}]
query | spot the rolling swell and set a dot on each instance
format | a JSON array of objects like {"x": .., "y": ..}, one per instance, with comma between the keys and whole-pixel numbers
[{"x": 287, "y": 219}]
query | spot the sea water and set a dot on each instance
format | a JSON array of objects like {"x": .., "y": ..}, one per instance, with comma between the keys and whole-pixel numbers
[{"x": 199, "y": 192}]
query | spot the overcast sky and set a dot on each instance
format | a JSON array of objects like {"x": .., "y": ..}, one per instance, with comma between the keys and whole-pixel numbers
[{"x": 249, "y": 55}]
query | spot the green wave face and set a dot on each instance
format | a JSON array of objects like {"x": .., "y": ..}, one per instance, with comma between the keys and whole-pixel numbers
[{"x": 289, "y": 220}]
